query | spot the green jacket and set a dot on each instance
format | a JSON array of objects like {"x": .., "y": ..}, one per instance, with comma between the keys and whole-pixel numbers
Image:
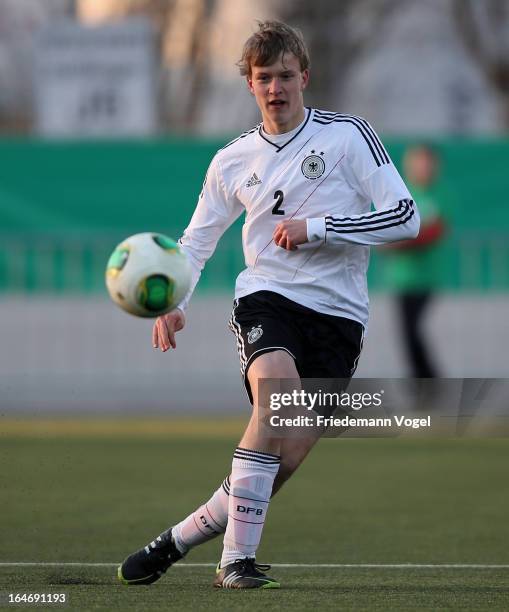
[{"x": 417, "y": 267}]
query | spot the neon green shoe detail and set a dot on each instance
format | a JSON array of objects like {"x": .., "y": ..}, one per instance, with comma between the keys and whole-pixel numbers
[{"x": 244, "y": 574}]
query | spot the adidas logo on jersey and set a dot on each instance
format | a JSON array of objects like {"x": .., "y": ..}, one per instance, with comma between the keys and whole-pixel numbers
[{"x": 254, "y": 180}]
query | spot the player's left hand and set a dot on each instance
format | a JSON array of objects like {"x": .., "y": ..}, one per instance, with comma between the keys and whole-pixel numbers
[{"x": 289, "y": 234}]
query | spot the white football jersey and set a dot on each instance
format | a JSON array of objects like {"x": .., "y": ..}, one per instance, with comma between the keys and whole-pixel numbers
[{"x": 329, "y": 170}]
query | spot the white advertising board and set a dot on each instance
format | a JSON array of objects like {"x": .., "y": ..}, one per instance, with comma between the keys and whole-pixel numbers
[{"x": 96, "y": 81}]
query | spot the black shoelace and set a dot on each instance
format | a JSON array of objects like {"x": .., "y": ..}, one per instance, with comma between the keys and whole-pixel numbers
[{"x": 250, "y": 564}]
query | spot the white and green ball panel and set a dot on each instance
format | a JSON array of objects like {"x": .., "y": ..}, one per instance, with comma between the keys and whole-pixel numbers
[{"x": 147, "y": 274}]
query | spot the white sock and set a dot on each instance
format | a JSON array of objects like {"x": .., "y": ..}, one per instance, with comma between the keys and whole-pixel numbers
[
  {"x": 252, "y": 478},
  {"x": 205, "y": 523}
]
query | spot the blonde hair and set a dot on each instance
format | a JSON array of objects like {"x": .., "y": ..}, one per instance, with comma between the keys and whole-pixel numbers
[{"x": 272, "y": 39}]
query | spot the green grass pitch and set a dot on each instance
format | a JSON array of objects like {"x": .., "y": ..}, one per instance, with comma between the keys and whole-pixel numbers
[{"x": 95, "y": 496}]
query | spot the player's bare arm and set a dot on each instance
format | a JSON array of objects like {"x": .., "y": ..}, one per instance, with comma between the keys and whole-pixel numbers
[
  {"x": 165, "y": 328},
  {"x": 289, "y": 234}
]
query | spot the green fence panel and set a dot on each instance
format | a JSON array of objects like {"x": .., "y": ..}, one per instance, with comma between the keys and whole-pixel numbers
[{"x": 64, "y": 205}]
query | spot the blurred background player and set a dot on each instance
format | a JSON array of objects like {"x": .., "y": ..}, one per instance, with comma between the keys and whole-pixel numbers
[
  {"x": 306, "y": 180},
  {"x": 412, "y": 267}
]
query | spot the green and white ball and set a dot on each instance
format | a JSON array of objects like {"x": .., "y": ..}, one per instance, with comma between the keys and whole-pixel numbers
[{"x": 148, "y": 275}]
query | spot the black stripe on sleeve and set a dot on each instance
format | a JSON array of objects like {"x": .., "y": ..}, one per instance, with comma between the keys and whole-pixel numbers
[
  {"x": 375, "y": 145},
  {"x": 369, "y": 229},
  {"x": 363, "y": 126},
  {"x": 377, "y": 140},
  {"x": 373, "y": 217},
  {"x": 370, "y": 219},
  {"x": 328, "y": 122},
  {"x": 338, "y": 226},
  {"x": 243, "y": 135}
]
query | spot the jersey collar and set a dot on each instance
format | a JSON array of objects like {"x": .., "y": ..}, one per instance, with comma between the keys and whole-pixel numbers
[{"x": 279, "y": 147}]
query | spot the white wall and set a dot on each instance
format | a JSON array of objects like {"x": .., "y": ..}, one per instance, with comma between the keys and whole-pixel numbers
[{"x": 71, "y": 354}]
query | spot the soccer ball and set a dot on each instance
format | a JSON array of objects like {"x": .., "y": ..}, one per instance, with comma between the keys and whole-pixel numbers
[{"x": 147, "y": 275}]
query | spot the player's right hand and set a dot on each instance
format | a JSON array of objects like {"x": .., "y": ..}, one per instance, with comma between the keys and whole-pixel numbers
[{"x": 165, "y": 327}]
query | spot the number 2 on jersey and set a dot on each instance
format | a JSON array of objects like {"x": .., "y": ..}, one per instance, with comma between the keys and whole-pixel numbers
[{"x": 280, "y": 196}]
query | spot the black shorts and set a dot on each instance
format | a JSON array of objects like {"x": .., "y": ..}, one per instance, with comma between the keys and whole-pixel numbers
[{"x": 322, "y": 345}]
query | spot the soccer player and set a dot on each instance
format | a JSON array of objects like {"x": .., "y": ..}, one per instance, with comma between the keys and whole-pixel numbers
[{"x": 306, "y": 180}]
